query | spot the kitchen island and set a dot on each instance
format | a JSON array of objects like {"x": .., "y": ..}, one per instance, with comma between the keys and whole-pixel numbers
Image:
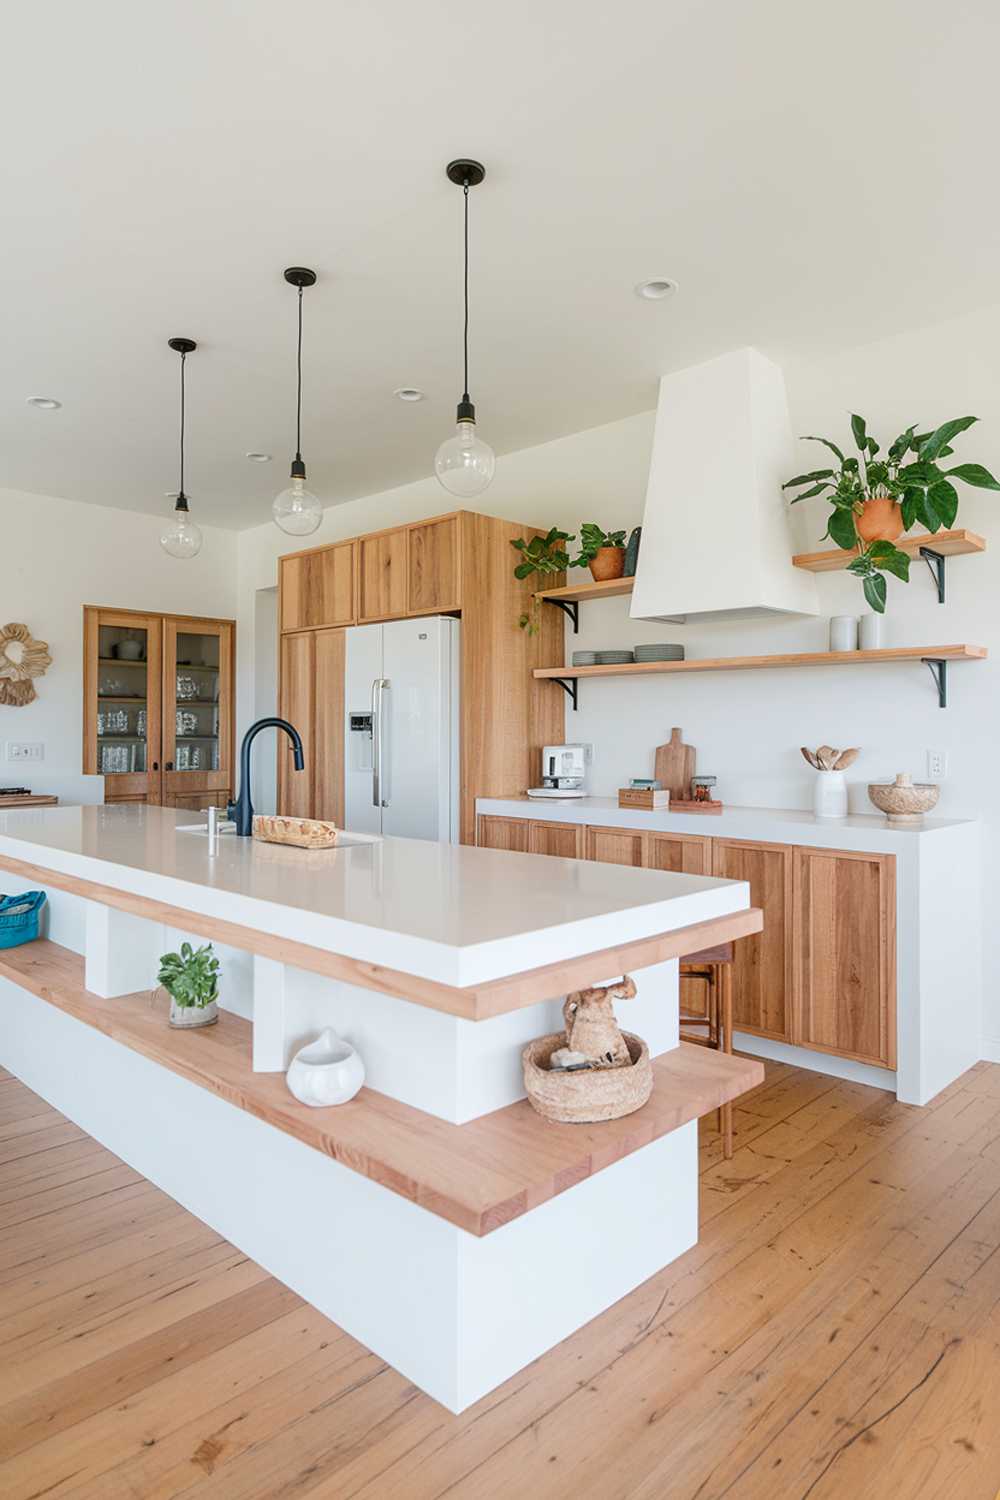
[{"x": 435, "y": 1217}]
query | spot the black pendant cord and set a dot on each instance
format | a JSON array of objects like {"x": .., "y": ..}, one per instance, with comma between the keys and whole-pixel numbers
[
  {"x": 182, "y": 502},
  {"x": 465, "y": 337},
  {"x": 298, "y": 398}
]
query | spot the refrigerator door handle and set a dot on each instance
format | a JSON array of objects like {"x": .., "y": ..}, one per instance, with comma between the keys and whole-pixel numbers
[{"x": 378, "y": 687}]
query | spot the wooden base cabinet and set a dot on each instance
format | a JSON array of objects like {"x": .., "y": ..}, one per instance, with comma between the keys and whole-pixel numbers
[
  {"x": 844, "y": 942},
  {"x": 312, "y": 698},
  {"x": 821, "y": 974}
]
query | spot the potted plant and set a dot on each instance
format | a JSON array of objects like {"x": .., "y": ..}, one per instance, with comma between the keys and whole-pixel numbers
[
  {"x": 191, "y": 979},
  {"x": 603, "y": 552},
  {"x": 544, "y": 555},
  {"x": 875, "y": 499}
]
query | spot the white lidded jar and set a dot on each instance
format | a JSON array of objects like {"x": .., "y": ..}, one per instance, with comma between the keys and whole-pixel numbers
[
  {"x": 830, "y": 795},
  {"x": 327, "y": 1071}
]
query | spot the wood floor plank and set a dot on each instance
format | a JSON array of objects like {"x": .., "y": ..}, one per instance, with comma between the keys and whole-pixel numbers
[{"x": 835, "y": 1332}]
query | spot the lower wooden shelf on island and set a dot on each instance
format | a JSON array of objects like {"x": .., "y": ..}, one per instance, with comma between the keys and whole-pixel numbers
[{"x": 479, "y": 1176}]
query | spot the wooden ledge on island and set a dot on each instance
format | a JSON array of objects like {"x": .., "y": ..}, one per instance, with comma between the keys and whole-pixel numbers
[{"x": 478, "y": 1176}]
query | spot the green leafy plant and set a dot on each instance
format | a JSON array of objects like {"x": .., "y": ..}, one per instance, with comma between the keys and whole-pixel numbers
[
  {"x": 909, "y": 474},
  {"x": 592, "y": 539},
  {"x": 543, "y": 555},
  {"x": 191, "y": 977}
]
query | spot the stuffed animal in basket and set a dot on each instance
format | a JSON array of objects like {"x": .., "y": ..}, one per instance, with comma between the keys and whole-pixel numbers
[{"x": 591, "y": 1029}]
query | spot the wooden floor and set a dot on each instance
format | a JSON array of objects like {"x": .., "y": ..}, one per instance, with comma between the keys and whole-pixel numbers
[{"x": 834, "y": 1334}]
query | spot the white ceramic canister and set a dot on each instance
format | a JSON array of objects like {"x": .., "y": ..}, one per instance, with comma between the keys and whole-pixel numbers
[
  {"x": 327, "y": 1071},
  {"x": 870, "y": 632},
  {"x": 843, "y": 633},
  {"x": 830, "y": 795}
]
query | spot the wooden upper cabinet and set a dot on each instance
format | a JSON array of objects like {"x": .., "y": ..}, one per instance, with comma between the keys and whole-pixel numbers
[
  {"x": 615, "y": 846},
  {"x": 845, "y": 953},
  {"x": 317, "y": 588},
  {"x": 562, "y": 839},
  {"x": 762, "y": 966},
  {"x": 502, "y": 833},
  {"x": 687, "y": 855},
  {"x": 432, "y": 567},
  {"x": 382, "y": 575}
]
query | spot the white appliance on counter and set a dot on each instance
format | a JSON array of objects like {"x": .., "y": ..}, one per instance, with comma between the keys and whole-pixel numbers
[
  {"x": 401, "y": 772},
  {"x": 564, "y": 769}
]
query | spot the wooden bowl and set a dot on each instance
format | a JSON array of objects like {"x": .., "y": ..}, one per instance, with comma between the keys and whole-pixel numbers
[
  {"x": 903, "y": 800},
  {"x": 302, "y": 833},
  {"x": 590, "y": 1095}
]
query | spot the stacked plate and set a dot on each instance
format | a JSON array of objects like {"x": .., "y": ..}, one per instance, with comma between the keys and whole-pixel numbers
[
  {"x": 614, "y": 658},
  {"x": 585, "y": 658},
  {"x": 659, "y": 653}
]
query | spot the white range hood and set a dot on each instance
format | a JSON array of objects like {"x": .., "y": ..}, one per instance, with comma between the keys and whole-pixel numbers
[{"x": 715, "y": 534}]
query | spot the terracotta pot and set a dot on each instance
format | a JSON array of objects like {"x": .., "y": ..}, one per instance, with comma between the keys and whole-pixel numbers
[
  {"x": 607, "y": 563},
  {"x": 881, "y": 520}
]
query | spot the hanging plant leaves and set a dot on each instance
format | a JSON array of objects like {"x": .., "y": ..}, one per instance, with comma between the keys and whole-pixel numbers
[
  {"x": 860, "y": 433},
  {"x": 842, "y": 529},
  {"x": 944, "y": 498},
  {"x": 874, "y": 587},
  {"x": 974, "y": 474},
  {"x": 932, "y": 447}
]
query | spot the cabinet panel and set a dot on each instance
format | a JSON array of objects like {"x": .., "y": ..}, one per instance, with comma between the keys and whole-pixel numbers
[
  {"x": 317, "y": 588},
  {"x": 122, "y": 702},
  {"x": 297, "y": 705},
  {"x": 326, "y": 747},
  {"x": 197, "y": 708},
  {"x": 687, "y": 855},
  {"x": 432, "y": 567},
  {"x": 382, "y": 575},
  {"x": 562, "y": 839},
  {"x": 502, "y": 833},
  {"x": 615, "y": 846},
  {"x": 762, "y": 967},
  {"x": 845, "y": 942}
]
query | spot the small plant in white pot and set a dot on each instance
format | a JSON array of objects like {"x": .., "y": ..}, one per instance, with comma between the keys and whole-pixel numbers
[{"x": 191, "y": 979}]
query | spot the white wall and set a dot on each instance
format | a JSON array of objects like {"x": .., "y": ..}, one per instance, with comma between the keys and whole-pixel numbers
[
  {"x": 747, "y": 727},
  {"x": 55, "y": 557}
]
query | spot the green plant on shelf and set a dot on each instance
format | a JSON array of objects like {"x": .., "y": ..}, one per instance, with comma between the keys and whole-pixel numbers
[
  {"x": 875, "y": 497},
  {"x": 190, "y": 977},
  {"x": 592, "y": 540},
  {"x": 544, "y": 556}
]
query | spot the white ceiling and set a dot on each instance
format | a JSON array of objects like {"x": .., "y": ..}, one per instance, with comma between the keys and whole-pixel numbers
[{"x": 812, "y": 176}]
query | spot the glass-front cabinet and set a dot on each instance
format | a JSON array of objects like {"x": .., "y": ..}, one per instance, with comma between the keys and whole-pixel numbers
[{"x": 158, "y": 707}]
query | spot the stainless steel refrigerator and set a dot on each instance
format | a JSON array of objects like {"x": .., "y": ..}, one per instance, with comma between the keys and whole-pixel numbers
[{"x": 401, "y": 728}]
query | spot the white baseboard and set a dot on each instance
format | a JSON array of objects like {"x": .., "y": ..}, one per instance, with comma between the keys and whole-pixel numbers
[
  {"x": 989, "y": 1050},
  {"x": 817, "y": 1062}
]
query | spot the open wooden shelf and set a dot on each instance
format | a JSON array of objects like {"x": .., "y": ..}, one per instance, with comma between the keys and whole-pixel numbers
[
  {"x": 748, "y": 663},
  {"x": 577, "y": 593},
  {"x": 944, "y": 543},
  {"x": 478, "y": 1176}
]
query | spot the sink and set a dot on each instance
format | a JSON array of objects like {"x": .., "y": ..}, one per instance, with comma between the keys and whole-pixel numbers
[{"x": 227, "y": 829}]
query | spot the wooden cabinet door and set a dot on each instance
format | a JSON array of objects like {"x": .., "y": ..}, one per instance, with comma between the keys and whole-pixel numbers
[
  {"x": 317, "y": 588},
  {"x": 685, "y": 854},
  {"x": 197, "y": 735},
  {"x": 562, "y": 839},
  {"x": 122, "y": 703},
  {"x": 327, "y": 748},
  {"x": 502, "y": 833},
  {"x": 845, "y": 954},
  {"x": 762, "y": 968},
  {"x": 615, "y": 846},
  {"x": 382, "y": 575},
  {"x": 297, "y": 699},
  {"x": 432, "y": 567}
]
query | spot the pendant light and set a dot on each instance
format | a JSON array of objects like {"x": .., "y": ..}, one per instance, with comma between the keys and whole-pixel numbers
[
  {"x": 182, "y": 536},
  {"x": 464, "y": 463},
  {"x": 297, "y": 510}
]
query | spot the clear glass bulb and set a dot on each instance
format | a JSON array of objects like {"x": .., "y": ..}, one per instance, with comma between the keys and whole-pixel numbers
[
  {"x": 464, "y": 463},
  {"x": 297, "y": 510},
  {"x": 181, "y": 537}
]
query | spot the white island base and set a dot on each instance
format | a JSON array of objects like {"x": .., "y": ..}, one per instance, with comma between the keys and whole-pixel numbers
[{"x": 437, "y": 1220}]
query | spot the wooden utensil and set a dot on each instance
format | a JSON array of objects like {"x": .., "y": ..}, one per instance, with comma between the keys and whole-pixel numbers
[
  {"x": 674, "y": 767},
  {"x": 846, "y": 758}
]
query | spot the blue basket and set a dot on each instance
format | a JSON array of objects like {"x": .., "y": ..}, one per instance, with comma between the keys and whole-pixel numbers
[{"x": 19, "y": 918}]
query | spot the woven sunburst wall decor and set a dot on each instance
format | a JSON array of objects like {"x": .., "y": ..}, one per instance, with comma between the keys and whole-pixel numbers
[{"x": 22, "y": 659}]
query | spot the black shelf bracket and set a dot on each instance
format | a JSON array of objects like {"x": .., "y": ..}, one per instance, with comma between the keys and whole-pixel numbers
[
  {"x": 569, "y": 686},
  {"x": 939, "y": 671},
  {"x": 935, "y": 561},
  {"x": 569, "y": 607}
]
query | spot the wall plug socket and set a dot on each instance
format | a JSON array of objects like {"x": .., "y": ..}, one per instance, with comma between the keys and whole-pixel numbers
[{"x": 937, "y": 765}]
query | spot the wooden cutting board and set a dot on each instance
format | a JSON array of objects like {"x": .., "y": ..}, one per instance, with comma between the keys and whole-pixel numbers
[{"x": 674, "y": 767}]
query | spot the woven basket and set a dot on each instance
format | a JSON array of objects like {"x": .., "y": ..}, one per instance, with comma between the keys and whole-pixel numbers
[{"x": 592, "y": 1094}]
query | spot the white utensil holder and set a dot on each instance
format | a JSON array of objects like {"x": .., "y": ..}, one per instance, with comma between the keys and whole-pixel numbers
[{"x": 830, "y": 795}]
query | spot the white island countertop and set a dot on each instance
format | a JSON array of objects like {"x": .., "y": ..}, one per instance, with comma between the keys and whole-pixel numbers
[{"x": 448, "y": 913}]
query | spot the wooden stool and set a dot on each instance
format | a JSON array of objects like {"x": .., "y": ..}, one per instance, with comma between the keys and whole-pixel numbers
[{"x": 715, "y": 967}]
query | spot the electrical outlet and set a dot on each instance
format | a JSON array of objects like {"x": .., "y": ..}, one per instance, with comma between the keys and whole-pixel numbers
[
  {"x": 25, "y": 750},
  {"x": 937, "y": 764}
]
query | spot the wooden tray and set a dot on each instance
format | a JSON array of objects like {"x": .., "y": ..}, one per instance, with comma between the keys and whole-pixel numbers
[
  {"x": 303, "y": 833},
  {"x": 695, "y": 807}
]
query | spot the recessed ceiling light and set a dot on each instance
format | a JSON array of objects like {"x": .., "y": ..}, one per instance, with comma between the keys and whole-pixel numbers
[
  {"x": 44, "y": 403},
  {"x": 657, "y": 289},
  {"x": 408, "y": 393},
  {"x": 259, "y": 458}
]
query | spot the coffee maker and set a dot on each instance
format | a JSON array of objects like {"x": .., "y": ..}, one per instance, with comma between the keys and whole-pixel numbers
[{"x": 564, "y": 769}]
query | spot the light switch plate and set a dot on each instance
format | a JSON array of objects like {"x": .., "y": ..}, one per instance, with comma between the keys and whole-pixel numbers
[{"x": 25, "y": 750}]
